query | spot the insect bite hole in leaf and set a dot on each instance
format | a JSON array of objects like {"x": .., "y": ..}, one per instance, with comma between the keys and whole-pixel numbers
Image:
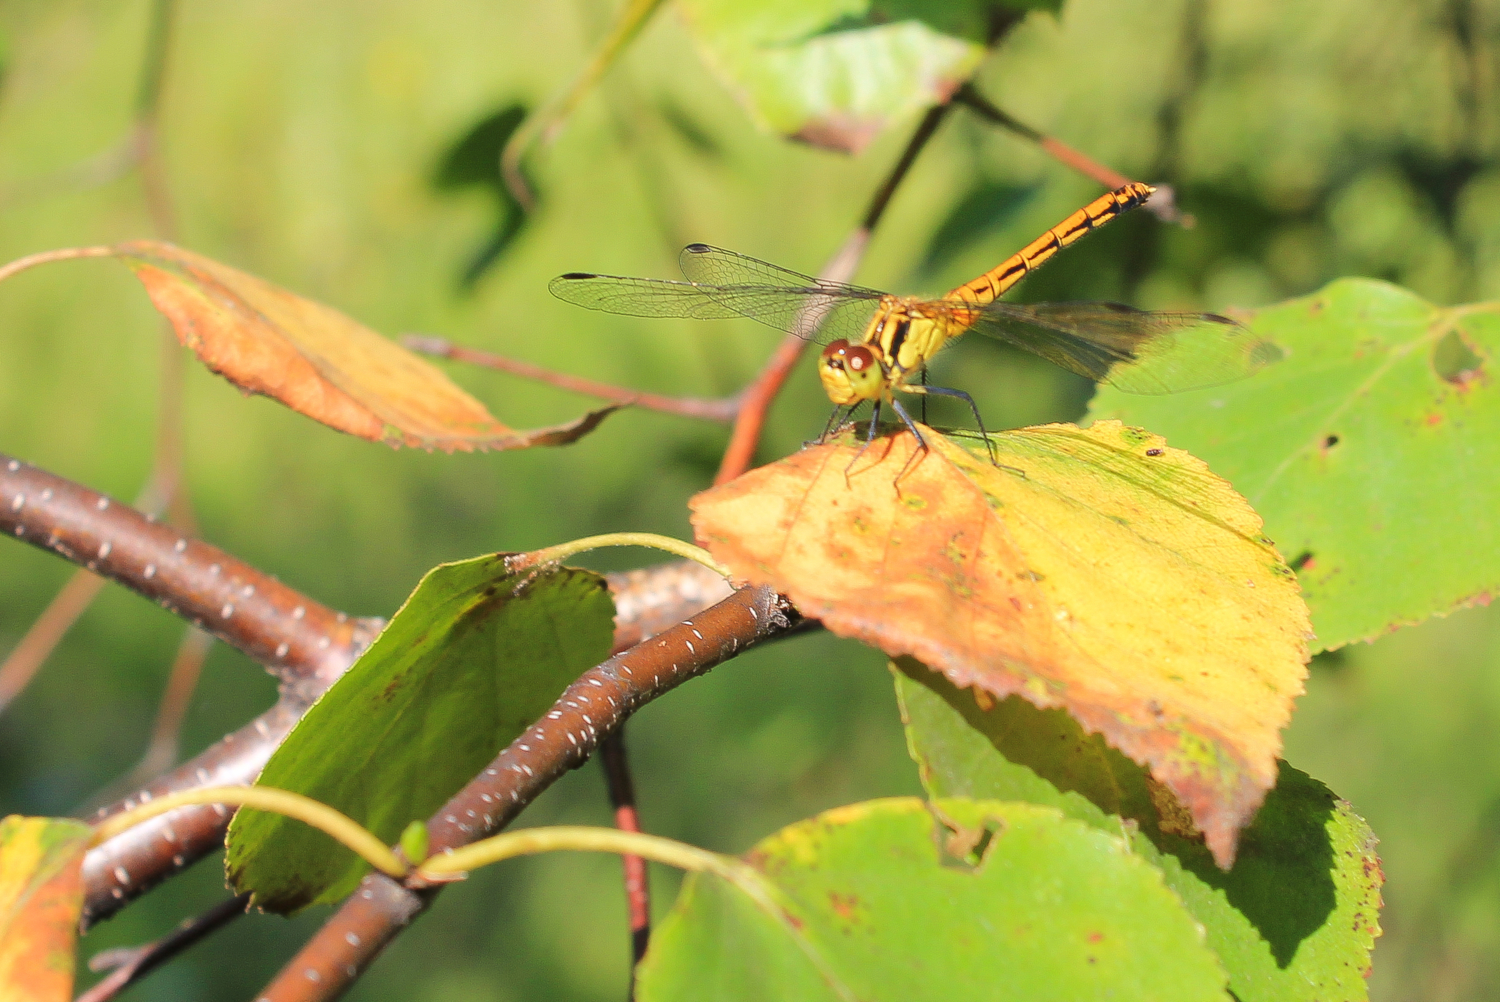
[
  {"x": 960, "y": 847},
  {"x": 1454, "y": 361}
]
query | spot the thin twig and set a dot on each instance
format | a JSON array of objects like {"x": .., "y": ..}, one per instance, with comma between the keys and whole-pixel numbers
[
  {"x": 1162, "y": 204},
  {"x": 562, "y": 739},
  {"x": 162, "y": 491},
  {"x": 20, "y": 264},
  {"x": 545, "y": 121},
  {"x": 712, "y": 410},
  {"x": 159, "y": 202},
  {"x": 637, "y": 888},
  {"x": 39, "y": 641},
  {"x": 134, "y": 964},
  {"x": 161, "y": 749}
]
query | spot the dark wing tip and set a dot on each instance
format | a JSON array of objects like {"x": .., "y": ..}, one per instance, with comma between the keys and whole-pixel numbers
[
  {"x": 697, "y": 249},
  {"x": 574, "y": 276}
]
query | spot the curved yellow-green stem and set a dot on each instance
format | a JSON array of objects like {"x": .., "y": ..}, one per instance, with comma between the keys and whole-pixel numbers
[
  {"x": 632, "y": 18},
  {"x": 264, "y": 798},
  {"x": 578, "y": 838},
  {"x": 677, "y": 547}
]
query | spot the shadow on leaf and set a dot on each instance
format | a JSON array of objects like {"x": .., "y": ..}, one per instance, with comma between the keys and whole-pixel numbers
[{"x": 1282, "y": 879}]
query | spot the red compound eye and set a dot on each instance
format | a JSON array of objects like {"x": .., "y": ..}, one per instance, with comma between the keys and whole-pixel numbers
[
  {"x": 859, "y": 358},
  {"x": 835, "y": 348}
]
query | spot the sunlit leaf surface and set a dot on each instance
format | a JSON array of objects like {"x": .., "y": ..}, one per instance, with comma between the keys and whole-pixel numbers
[
  {"x": 318, "y": 361},
  {"x": 1372, "y": 451},
  {"x": 1096, "y": 570},
  {"x": 899, "y": 901},
  {"x": 836, "y": 72},
  {"x": 41, "y": 895},
  {"x": 475, "y": 655},
  {"x": 1293, "y": 921}
]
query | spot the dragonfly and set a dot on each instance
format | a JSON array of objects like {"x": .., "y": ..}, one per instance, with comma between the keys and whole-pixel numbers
[{"x": 878, "y": 345}]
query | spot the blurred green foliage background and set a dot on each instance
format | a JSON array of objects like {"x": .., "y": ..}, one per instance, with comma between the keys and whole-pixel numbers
[{"x": 346, "y": 150}]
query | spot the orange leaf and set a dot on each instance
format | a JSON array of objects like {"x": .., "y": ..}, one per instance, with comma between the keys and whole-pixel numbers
[
  {"x": 319, "y": 362},
  {"x": 41, "y": 894},
  {"x": 1097, "y": 570}
]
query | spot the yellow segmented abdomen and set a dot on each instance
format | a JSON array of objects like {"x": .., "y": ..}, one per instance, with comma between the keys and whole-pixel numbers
[{"x": 992, "y": 284}]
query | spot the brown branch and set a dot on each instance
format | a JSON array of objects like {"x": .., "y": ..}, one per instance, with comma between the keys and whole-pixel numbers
[
  {"x": 637, "y": 888},
  {"x": 647, "y": 602},
  {"x": 712, "y": 410},
  {"x": 69, "y": 520},
  {"x": 304, "y": 643},
  {"x": 162, "y": 748},
  {"x": 590, "y": 708},
  {"x": 295, "y": 638},
  {"x": 130, "y": 864},
  {"x": 162, "y": 491},
  {"x": 132, "y": 964}
]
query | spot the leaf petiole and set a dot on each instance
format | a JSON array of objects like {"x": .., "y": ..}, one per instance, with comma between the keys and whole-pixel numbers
[
  {"x": 264, "y": 798},
  {"x": 554, "y": 554}
]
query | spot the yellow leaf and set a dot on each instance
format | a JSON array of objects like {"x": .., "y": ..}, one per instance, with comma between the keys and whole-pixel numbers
[
  {"x": 41, "y": 894},
  {"x": 1096, "y": 569}
]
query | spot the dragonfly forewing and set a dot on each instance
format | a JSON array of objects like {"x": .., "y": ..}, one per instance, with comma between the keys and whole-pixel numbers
[{"x": 830, "y": 310}]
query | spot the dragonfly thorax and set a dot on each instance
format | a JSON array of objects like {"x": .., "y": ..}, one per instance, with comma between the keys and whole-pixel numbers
[{"x": 907, "y": 331}]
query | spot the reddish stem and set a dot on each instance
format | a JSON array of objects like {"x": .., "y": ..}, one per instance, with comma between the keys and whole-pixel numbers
[
  {"x": 712, "y": 410},
  {"x": 755, "y": 402},
  {"x": 143, "y": 960},
  {"x": 637, "y": 888},
  {"x": 1162, "y": 204}
]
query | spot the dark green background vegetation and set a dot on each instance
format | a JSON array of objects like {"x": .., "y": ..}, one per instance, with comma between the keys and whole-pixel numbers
[{"x": 341, "y": 149}]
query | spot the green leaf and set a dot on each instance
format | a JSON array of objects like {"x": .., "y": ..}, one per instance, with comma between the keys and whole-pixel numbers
[
  {"x": 41, "y": 896},
  {"x": 835, "y": 72},
  {"x": 1372, "y": 451},
  {"x": 1293, "y": 921},
  {"x": 881, "y": 901},
  {"x": 474, "y": 656}
]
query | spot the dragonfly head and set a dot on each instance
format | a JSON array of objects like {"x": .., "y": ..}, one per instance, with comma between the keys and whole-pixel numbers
[{"x": 851, "y": 373}]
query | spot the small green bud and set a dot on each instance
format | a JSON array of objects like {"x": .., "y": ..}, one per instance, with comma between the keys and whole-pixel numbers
[{"x": 414, "y": 842}]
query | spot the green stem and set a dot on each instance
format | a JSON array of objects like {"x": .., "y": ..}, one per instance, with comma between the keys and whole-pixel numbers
[
  {"x": 553, "y": 554},
  {"x": 578, "y": 838},
  {"x": 561, "y": 105},
  {"x": 264, "y": 798},
  {"x": 564, "y": 838}
]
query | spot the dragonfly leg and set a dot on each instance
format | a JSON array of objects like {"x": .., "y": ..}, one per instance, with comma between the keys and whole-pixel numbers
[
  {"x": 869, "y": 438},
  {"x": 911, "y": 427},
  {"x": 836, "y": 421},
  {"x": 944, "y": 391}
]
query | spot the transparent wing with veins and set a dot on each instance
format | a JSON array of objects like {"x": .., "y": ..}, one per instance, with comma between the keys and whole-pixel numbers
[
  {"x": 1139, "y": 351},
  {"x": 724, "y": 285}
]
